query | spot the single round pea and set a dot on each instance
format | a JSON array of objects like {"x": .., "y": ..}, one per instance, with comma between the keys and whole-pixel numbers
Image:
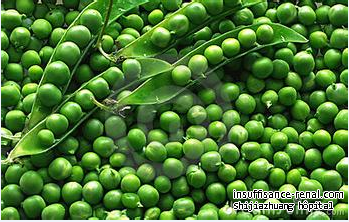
[
  {"x": 130, "y": 183},
  {"x": 245, "y": 103},
  {"x": 92, "y": 192},
  {"x": 211, "y": 161},
  {"x": 57, "y": 123},
  {"x": 33, "y": 206},
  {"x": 198, "y": 64},
  {"x": 238, "y": 135},
  {"x": 214, "y": 54},
  {"x": 217, "y": 130},
  {"x": 51, "y": 193},
  {"x": 265, "y": 34},
  {"x": 156, "y": 152},
  {"x": 229, "y": 153},
  {"x": 160, "y": 37},
  {"x": 31, "y": 183},
  {"x": 54, "y": 211},
  {"x": 181, "y": 75},
  {"x": 67, "y": 52},
  {"x": 10, "y": 213},
  {"x": 60, "y": 168},
  {"x": 306, "y": 15},
  {"x": 247, "y": 38},
  {"x": 286, "y": 13},
  {"x": 303, "y": 63},
  {"x": 92, "y": 19},
  {"x": 230, "y": 47},
  {"x": 49, "y": 95},
  {"x": 196, "y": 177},
  {"x": 196, "y": 12},
  {"x": 79, "y": 34},
  {"x": 193, "y": 149},
  {"x": 279, "y": 140},
  {"x": 338, "y": 15},
  {"x": 148, "y": 195},
  {"x": 326, "y": 112},
  {"x": 80, "y": 210}
]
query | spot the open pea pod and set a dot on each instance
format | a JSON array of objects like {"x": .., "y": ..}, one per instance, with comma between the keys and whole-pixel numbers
[
  {"x": 116, "y": 9},
  {"x": 161, "y": 88},
  {"x": 143, "y": 46},
  {"x": 30, "y": 143}
]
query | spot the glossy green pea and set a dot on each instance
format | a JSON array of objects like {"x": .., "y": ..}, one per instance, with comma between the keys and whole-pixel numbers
[
  {"x": 286, "y": 13},
  {"x": 312, "y": 159}
]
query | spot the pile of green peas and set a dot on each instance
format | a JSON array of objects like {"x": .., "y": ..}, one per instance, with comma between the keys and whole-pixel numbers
[{"x": 275, "y": 119}]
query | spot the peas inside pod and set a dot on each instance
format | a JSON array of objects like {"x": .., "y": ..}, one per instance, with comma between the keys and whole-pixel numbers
[{"x": 164, "y": 109}]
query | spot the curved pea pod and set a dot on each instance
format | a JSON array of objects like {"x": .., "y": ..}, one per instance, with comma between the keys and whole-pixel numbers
[
  {"x": 39, "y": 110},
  {"x": 161, "y": 88},
  {"x": 143, "y": 47},
  {"x": 30, "y": 144}
]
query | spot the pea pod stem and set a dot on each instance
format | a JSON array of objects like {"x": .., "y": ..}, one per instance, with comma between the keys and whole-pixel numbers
[{"x": 101, "y": 33}]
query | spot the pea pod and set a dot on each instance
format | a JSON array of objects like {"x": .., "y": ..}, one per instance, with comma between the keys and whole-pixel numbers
[
  {"x": 39, "y": 111},
  {"x": 143, "y": 47},
  {"x": 161, "y": 88},
  {"x": 30, "y": 143}
]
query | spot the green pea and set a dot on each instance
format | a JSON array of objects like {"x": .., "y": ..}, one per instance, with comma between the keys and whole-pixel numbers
[
  {"x": 237, "y": 185},
  {"x": 286, "y": 13},
  {"x": 183, "y": 207},
  {"x": 306, "y": 15},
  {"x": 312, "y": 159},
  {"x": 90, "y": 161},
  {"x": 333, "y": 58},
  {"x": 10, "y": 213},
  {"x": 211, "y": 161},
  {"x": 247, "y": 38},
  {"x": 332, "y": 154},
  {"x": 250, "y": 151},
  {"x": 238, "y": 135},
  {"x": 92, "y": 19},
  {"x": 80, "y": 210},
  {"x": 293, "y": 177},
  {"x": 337, "y": 15},
  {"x": 243, "y": 17},
  {"x": 318, "y": 215},
  {"x": 20, "y": 37},
  {"x": 245, "y": 103},
  {"x": 226, "y": 173},
  {"x": 326, "y": 112},
  {"x": 181, "y": 75},
  {"x": 196, "y": 177},
  {"x": 213, "y": 7},
  {"x": 179, "y": 24},
  {"x": 193, "y": 149},
  {"x": 265, "y": 34},
  {"x": 160, "y": 37},
  {"x": 340, "y": 138},
  {"x": 148, "y": 195},
  {"x": 57, "y": 123},
  {"x": 51, "y": 193},
  {"x": 279, "y": 140},
  {"x": 337, "y": 93},
  {"x": 157, "y": 135},
  {"x": 112, "y": 199},
  {"x": 217, "y": 130},
  {"x": 33, "y": 206}
]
